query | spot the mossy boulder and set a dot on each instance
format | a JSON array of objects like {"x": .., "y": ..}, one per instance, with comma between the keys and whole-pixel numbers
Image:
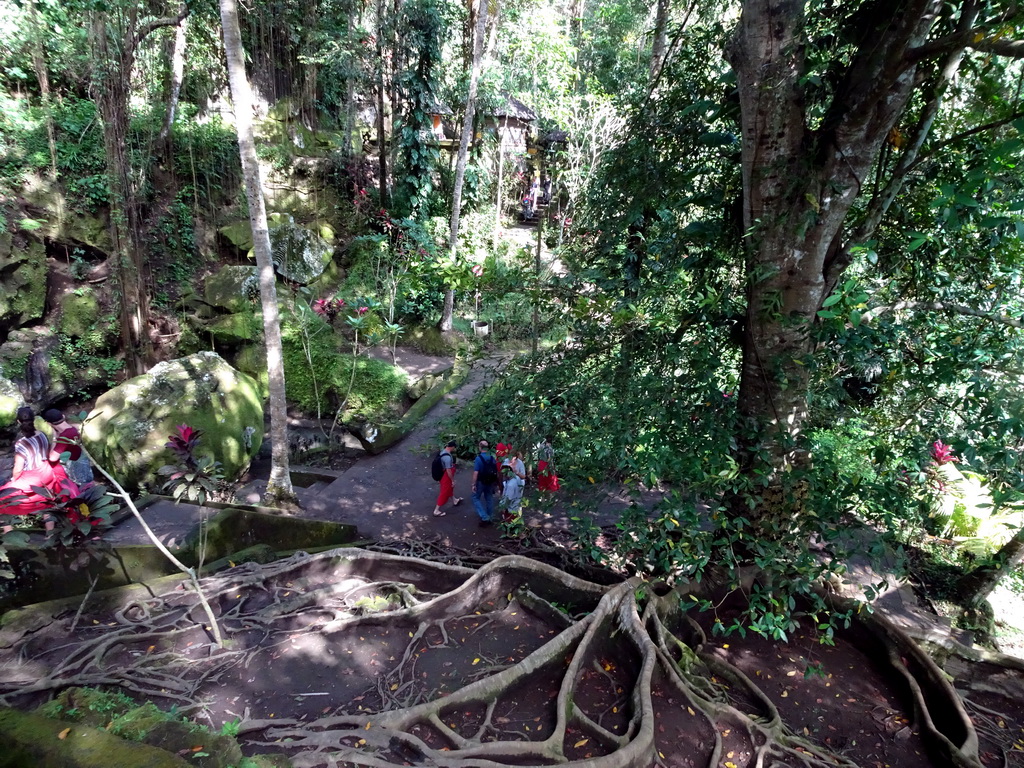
[
  {"x": 79, "y": 313},
  {"x": 236, "y": 530},
  {"x": 10, "y": 400},
  {"x": 235, "y": 329},
  {"x": 251, "y": 359},
  {"x": 72, "y": 227},
  {"x": 239, "y": 234},
  {"x": 127, "y": 430},
  {"x": 234, "y": 288},
  {"x": 31, "y": 739},
  {"x": 23, "y": 289},
  {"x": 146, "y": 724},
  {"x": 299, "y": 254}
]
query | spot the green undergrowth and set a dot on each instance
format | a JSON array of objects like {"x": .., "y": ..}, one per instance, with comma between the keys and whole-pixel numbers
[
  {"x": 319, "y": 373},
  {"x": 146, "y": 723}
]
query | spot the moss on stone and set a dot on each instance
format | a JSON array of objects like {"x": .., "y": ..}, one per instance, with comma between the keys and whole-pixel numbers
[
  {"x": 234, "y": 530},
  {"x": 430, "y": 341},
  {"x": 234, "y": 288},
  {"x": 235, "y": 329},
  {"x": 378, "y": 437},
  {"x": 31, "y": 739},
  {"x": 251, "y": 359},
  {"x": 90, "y": 706},
  {"x": 23, "y": 290},
  {"x": 239, "y": 234},
  {"x": 79, "y": 313},
  {"x": 128, "y": 429},
  {"x": 112, "y": 568}
]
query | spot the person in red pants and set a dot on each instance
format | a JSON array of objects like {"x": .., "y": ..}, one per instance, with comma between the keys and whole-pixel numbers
[
  {"x": 447, "y": 480},
  {"x": 547, "y": 480}
]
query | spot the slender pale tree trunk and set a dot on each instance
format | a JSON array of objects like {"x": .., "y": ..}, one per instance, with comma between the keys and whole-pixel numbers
[
  {"x": 163, "y": 140},
  {"x": 659, "y": 45},
  {"x": 43, "y": 76},
  {"x": 501, "y": 173},
  {"x": 976, "y": 586},
  {"x": 460, "y": 164},
  {"x": 382, "y": 158},
  {"x": 279, "y": 489}
]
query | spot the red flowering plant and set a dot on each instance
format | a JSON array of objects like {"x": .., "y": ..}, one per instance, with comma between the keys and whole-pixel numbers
[
  {"x": 76, "y": 527},
  {"x": 192, "y": 477},
  {"x": 79, "y": 524},
  {"x": 328, "y": 308}
]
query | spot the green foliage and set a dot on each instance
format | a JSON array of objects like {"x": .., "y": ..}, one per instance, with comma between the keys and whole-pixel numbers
[
  {"x": 173, "y": 252},
  {"x": 88, "y": 358},
  {"x": 318, "y": 373},
  {"x": 192, "y": 477},
  {"x": 422, "y": 29}
]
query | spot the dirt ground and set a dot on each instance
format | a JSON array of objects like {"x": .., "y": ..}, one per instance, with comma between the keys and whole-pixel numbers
[{"x": 321, "y": 655}]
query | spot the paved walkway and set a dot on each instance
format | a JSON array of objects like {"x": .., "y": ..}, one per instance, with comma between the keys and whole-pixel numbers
[{"x": 390, "y": 495}]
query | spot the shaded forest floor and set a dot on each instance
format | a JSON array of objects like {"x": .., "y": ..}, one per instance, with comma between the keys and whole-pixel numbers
[{"x": 321, "y": 657}]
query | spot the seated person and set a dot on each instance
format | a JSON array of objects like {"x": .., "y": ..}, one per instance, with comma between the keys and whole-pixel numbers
[{"x": 33, "y": 471}]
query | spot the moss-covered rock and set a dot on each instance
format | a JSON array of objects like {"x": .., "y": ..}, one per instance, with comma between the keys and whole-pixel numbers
[
  {"x": 127, "y": 430},
  {"x": 10, "y": 400},
  {"x": 28, "y": 739},
  {"x": 79, "y": 313},
  {"x": 77, "y": 227},
  {"x": 234, "y": 288},
  {"x": 239, "y": 234},
  {"x": 89, "y": 706},
  {"x": 235, "y": 329},
  {"x": 124, "y": 564},
  {"x": 378, "y": 436},
  {"x": 218, "y": 750},
  {"x": 251, "y": 359},
  {"x": 23, "y": 289},
  {"x": 234, "y": 530},
  {"x": 299, "y": 254},
  {"x": 430, "y": 341},
  {"x": 146, "y": 723}
]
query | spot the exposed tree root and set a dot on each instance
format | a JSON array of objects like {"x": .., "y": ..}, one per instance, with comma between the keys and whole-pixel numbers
[{"x": 596, "y": 665}]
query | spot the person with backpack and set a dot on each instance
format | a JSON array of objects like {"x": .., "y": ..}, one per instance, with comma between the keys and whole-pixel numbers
[
  {"x": 485, "y": 478},
  {"x": 443, "y": 470}
]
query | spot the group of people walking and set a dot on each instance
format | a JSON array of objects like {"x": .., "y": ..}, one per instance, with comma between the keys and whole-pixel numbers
[
  {"x": 502, "y": 474},
  {"x": 44, "y": 473}
]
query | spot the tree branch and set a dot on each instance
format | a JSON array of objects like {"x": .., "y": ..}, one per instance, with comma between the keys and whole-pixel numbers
[
  {"x": 940, "y": 306},
  {"x": 147, "y": 27},
  {"x": 960, "y": 136},
  {"x": 1011, "y": 48}
]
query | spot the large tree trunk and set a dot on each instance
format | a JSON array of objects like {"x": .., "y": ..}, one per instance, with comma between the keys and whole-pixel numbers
[
  {"x": 798, "y": 189},
  {"x": 976, "y": 586},
  {"x": 460, "y": 164},
  {"x": 112, "y": 66},
  {"x": 279, "y": 488},
  {"x": 113, "y": 58}
]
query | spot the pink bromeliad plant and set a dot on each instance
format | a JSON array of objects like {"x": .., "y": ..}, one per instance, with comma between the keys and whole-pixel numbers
[
  {"x": 942, "y": 453},
  {"x": 193, "y": 478}
]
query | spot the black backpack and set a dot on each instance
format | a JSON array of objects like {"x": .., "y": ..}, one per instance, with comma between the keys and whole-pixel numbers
[
  {"x": 489, "y": 474},
  {"x": 437, "y": 468}
]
